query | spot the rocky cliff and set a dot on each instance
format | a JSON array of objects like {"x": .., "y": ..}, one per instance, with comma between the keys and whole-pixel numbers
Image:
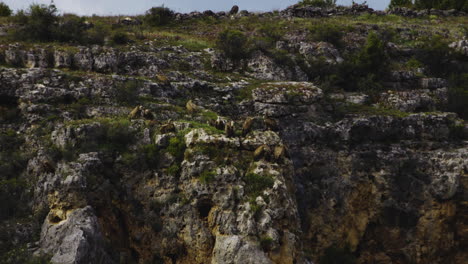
[{"x": 156, "y": 153}]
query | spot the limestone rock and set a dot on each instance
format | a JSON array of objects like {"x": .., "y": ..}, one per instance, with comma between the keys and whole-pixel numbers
[
  {"x": 461, "y": 46},
  {"x": 74, "y": 238},
  {"x": 234, "y": 10},
  {"x": 315, "y": 51},
  {"x": 264, "y": 68}
]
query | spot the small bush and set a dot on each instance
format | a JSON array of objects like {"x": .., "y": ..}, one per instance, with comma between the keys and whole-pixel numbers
[
  {"x": 400, "y": 3},
  {"x": 328, "y": 33},
  {"x": 40, "y": 23},
  {"x": 337, "y": 255},
  {"x": 233, "y": 43},
  {"x": 365, "y": 70},
  {"x": 114, "y": 135},
  {"x": 434, "y": 52},
  {"x": 458, "y": 95},
  {"x": 269, "y": 34},
  {"x": 5, "y": 10},
  {"x": 118, "y": 134},
  {"x": 120, "y": 38},
  {"x": 413, "y": 63},
  {"x": 150, "y": 153},
  {"x": 176, "y": 148},
  {"x": 23, "y": 255},
  {"x": 207, "y": 176},
  {"x": 11, "y": 192},
  {"x": 127, "y": 92},
  {"x": 318, "y": 3},
  {"x": 461, "y": 5},
  {"x": 255, "y": 184},
  {"x": 266, "y": 243},
  {"x": 12, "y": 160},
  {"x": 158, "y": 16},
  {"x": 71, "y": 29},
  {"x": 173, "y": 170},
  {"x": 97, "y": 35},
  {"x": 373, "y": 57}
]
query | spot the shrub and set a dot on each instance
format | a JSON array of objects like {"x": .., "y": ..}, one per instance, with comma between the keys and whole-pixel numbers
[
  {"x": 150, "y": 155},
  {"x": 458, "y": 95},
  {"x": 266, "y": 242},
  {"x": 255, "y": 184},
  {"x": 327, "y": 32},
  {"x": 114, "y": 135},
  {"x": 318, "y": 3},
  {"x": 97, "y": 35},
  {"x": 233, "y": 43},
  {"x": 434, "y": 52},
  {"x": 337, "y": 255},
  {"x": 118, "y": 134},
  {"x": 365, "y": 70},
  {"x": 461, "y": 5},
  {"x": 173, "y": 170},
  {"x": 400, "y": 3},
  {"x": 11, "y": 192},
  {"x": 5, "y": 10},
  {"x": 176, "y": 147},
  {"x": 269, "y": 34},
  {"x": 12, "y": 160},
  {"x": 373, "y": 57},
  {"x": 127, "y": 92},
  {"x": 158, "y": 16},
  {"x": 40, "y": 23},
  {"x": 71, "y": 29},
  {"x": 120, "y": 38},
  {"x": 413, "y": 63},
  {"x": 207, "y": 176},
  {"x": 23, "y": 255}
]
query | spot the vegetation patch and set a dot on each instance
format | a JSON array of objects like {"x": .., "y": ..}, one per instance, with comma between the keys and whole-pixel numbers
[
  {"x": 266, "y": 243},
  {"x": 207, "y": 176},
  {"x": 255, "y": 184},
  {"x": 176, "y": 147},
  {"x": 159, "y": 16},
  {"x": 318, "y": 3},
  {"x": 337, "y": 255},
  {"x": 114, "y": 135},
  {"x": 127, "y": 92},
  {"x": 350, "y": 108},
  {"x": 233, "y": 43}
]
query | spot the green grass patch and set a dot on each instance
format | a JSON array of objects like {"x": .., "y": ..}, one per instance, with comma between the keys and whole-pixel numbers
[
  {"x": 176, "y": 147},
  {"x": 255, "y": 184},
  {"x": 368, "y": 110},
  {"x": 207, "y": 176},
  {"x": 173, "y": 170}
]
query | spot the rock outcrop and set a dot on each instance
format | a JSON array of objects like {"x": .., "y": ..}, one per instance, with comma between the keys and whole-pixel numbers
[{"x": 155, "y": 153}]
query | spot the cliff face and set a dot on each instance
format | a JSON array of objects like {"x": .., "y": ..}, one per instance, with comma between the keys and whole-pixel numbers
[{"x": 164, "y": 155}]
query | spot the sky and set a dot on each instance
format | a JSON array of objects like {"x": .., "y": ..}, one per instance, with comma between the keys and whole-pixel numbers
[{"x": 131, "y": 7}]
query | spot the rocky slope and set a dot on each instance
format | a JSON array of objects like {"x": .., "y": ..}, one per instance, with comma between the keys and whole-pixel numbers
[{"x": 158, "y": 154}]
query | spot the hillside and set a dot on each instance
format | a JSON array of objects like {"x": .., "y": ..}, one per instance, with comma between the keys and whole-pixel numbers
[{"x": 307, "y": 135}]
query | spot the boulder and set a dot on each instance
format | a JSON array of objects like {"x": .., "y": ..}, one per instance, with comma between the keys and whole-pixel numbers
[
  {"x": 234, "y": 10},
  {"x": 73, "y": 237}
]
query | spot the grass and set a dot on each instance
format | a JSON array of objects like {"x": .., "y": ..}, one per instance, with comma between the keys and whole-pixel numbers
[
  {"x": 173, "y": 170},
  {"x": 255, "y": 184},
  {"x": 118, "y": 120},
  {"x": 114, "y": 135},
  {"x": 246, "y": 92},
  {"x": 368, "y": 110},
  {"x": 207, "y": 176},
  {"x": 176, "y": 147},
  {"x": 266, "y": 243},
  {"x": 208, "y": 129}
]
